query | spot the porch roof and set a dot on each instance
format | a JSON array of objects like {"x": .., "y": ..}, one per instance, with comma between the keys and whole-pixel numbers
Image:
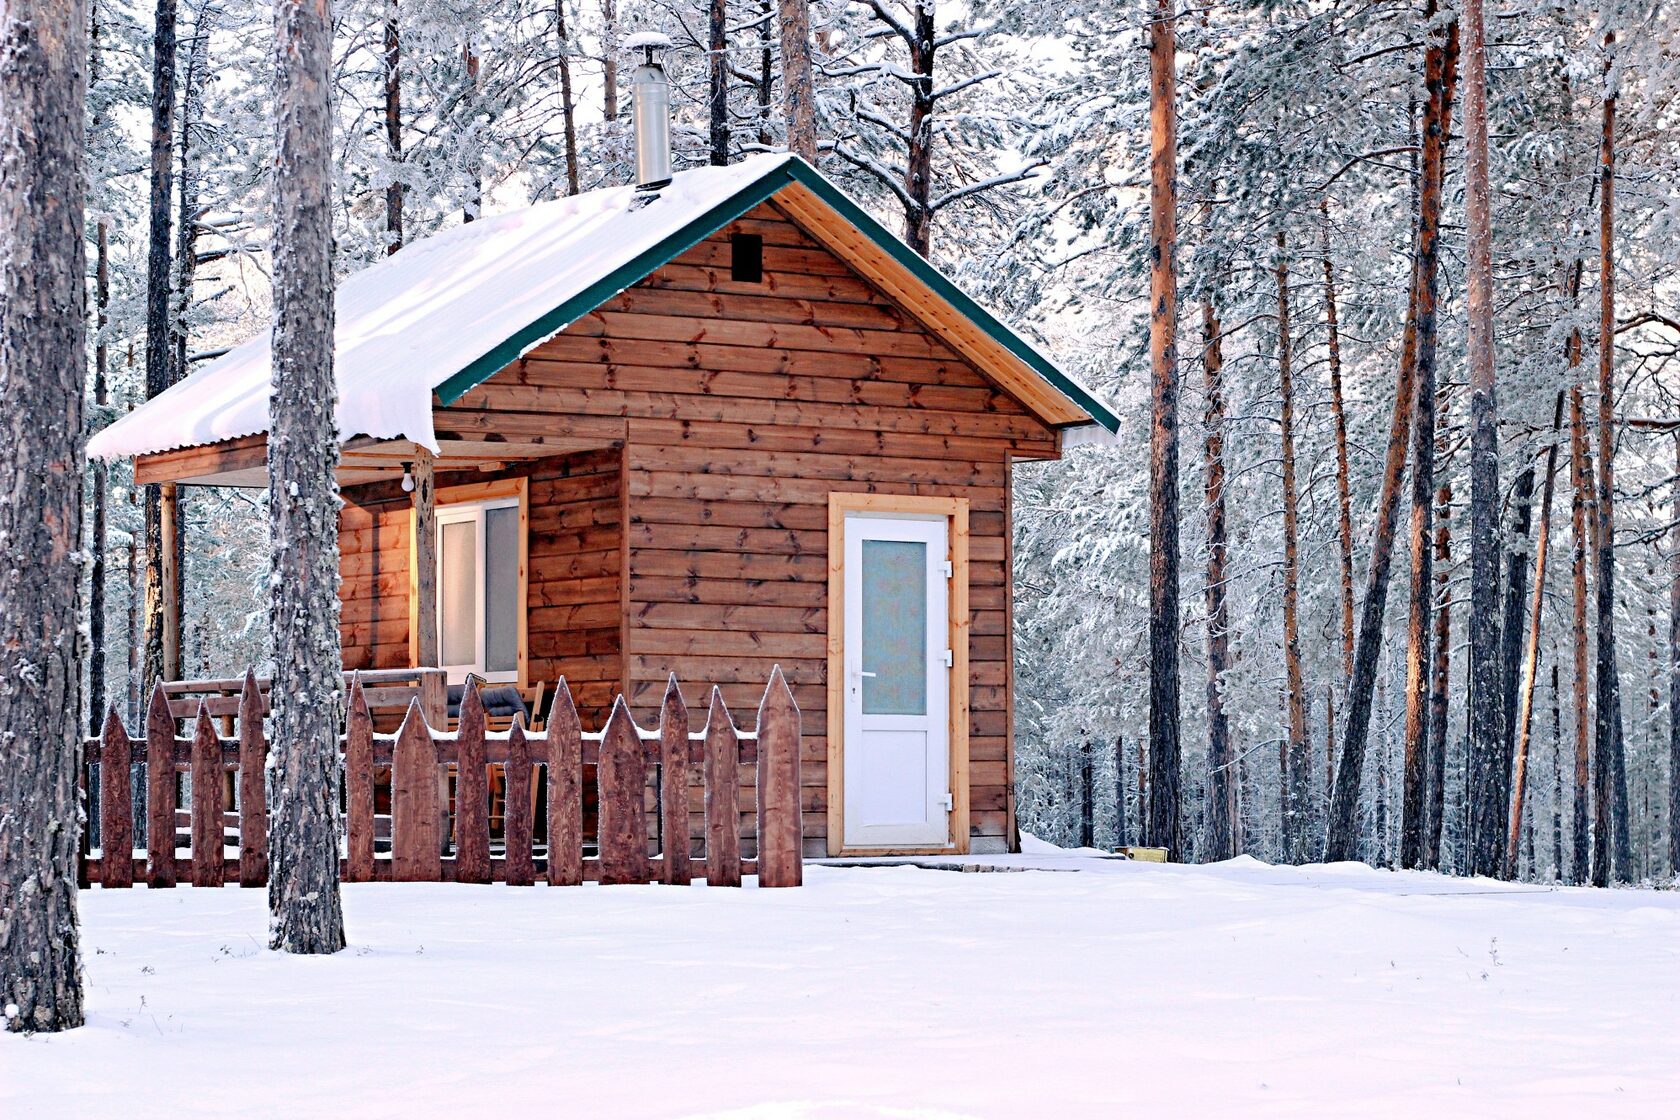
[{"x": 446, "y": 313}]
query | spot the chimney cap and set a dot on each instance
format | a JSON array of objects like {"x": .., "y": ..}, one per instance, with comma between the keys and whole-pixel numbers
[{"x": 648, "y": 41}]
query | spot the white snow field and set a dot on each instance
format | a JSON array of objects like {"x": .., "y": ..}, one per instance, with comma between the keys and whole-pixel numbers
[{"x": 1098, "y": 988}]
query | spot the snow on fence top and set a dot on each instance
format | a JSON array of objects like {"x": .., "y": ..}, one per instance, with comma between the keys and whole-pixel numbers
[{"x": 411, "y": 322}]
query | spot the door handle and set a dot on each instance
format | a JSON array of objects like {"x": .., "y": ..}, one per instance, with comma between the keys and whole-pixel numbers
[{"x": 865, "y": 673}]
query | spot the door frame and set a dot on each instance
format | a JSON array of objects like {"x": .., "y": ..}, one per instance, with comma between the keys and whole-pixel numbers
[{"x": 955, "y": 510}]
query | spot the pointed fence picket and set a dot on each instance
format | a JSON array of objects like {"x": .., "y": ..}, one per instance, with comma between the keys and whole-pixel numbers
[{"x": 441, "y": 830}]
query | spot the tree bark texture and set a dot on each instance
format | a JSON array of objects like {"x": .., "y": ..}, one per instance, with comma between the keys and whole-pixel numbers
[
  {"x": 609, "y": 60},
  {"x": 187, "y": 214},
  {"x": 1486, "y": 692},
  {"x": 1342, "y": 827},
  {"x": 1297, "y": 752},
  {"x": 1531, "y": 652},
  {"x": 1222, "y": 824},
  {"x": 918, "y": 162},
  {"x": 1609, "y": 795},
  {"x": 99, "y": 564},
  {"x": 1415, "y": 776},
  {"x": 303, "y": 895},
  {"x": 159, "y": 366},
  {"x": 568, "y": 104},
  {"x": 395, "y": 189},
  {"x": 799, "y": 99},
  {"x": 718, "y": 88},
  {"x": 1344, "y": 486},
  {"x": 1580, "y": 498},
  {"x": 1439, "y": 676},
  {"x": 1674, "y": 680},
  {"x": 43, "y": 333},
  {"x": 1165, "y": 812}
]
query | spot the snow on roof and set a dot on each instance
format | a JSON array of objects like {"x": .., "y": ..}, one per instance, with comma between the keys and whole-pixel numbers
[
  {"x": 446, "y": 312},
  {"x": 412, "y": 321}
]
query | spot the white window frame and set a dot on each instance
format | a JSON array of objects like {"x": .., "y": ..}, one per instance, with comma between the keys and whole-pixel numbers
[
  {"x": 457, "y": 512},
  {"x": 464, "y": 502}
]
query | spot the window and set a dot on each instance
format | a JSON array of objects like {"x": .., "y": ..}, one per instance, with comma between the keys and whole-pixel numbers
[
  {"x": 480, "y": 582},
  {"x": 746, "y": 258}
]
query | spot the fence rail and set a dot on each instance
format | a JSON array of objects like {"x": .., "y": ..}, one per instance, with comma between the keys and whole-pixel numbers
[{"x": 441, "y": 826}]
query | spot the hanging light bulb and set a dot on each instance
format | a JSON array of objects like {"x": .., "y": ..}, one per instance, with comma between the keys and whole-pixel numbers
[{"x": 408, "y": 478}]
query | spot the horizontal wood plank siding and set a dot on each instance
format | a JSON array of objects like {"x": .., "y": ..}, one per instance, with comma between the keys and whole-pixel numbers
[{"x": 744, "y": 406}]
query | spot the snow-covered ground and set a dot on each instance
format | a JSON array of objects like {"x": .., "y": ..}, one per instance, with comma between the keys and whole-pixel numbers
[{"x": 1098, "y": 988}]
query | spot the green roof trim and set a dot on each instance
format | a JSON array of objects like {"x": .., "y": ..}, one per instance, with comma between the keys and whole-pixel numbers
[{"x": 704, "y": 225}]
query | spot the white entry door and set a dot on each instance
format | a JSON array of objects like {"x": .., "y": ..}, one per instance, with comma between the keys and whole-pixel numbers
[{"x": 897, "y": 688}]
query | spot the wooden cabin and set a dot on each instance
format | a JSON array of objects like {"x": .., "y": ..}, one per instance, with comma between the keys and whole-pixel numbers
[{"x": 699, "y": 430}]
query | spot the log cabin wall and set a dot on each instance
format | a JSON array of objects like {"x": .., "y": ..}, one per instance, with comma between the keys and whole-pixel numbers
[
  {"x": 742, "y": 406},
  {"x": 574, "y": 585}
]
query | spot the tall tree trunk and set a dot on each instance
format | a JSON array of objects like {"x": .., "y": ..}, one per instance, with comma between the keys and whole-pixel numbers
[
  {"x": 186, "y": 230},
  {"x": 1674, "y": 679},
  {"x": 395, "y": 189},
  {"x": 1344, "y": 485},
  {"x": 568, "y": 106},
  {"x": 1297, "y": 752},
  {"x": 1511, "y": 630},
  {"x": 43, "y": 334},
  {"x": 159, "y": 365},
  {"x": 718, "y": 90},
  {"x": 766, "y": 71},
  {"x": 918, "y": 162},
  {"x": 101, "y": 485},
  {"x": 1165, "y": 815},
  {"x": 1413, "y": 786},
  {"x": 1436, "y": 785},
  {"x": 609, "y": 61},
  {"x": 1557, "y": 778},
  {"x": 1342, "y": 827},
  {"x": 1087, "y": 798},
  {"x": 1531, "y": 654},
  {"x": 1486, "y": 692},
  {"x": 1222, "y": 825},
  {"x": 474, "y": 209},
  {"x": 1609, "y": 801},
  {"x": 303, "y": 896},
  {"x": 799, "y": 99},
  {"x": 1121, "y": 839},
  {"x": 1580, "y": 482}
]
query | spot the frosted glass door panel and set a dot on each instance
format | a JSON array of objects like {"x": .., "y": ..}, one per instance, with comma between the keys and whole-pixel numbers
[
  {"x": 895, "y": 628},
  {"x": 501, "y": 589},
  {"x": 458, "y": 592}
]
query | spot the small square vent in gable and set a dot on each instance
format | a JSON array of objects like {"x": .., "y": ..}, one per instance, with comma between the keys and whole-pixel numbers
[{"x": 746, "y": 258}]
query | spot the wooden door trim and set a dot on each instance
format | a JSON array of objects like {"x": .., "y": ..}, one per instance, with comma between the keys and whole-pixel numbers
[
  {"x": 493, "y": 490},
  {"x": 956, "y": 512}
]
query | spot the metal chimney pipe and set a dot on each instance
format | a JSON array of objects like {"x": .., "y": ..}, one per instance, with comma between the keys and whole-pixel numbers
[{"x": 651, "y": 101}]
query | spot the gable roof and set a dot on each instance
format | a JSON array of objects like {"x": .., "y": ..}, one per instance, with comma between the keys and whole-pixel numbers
[{"x": 448, "y": 312}]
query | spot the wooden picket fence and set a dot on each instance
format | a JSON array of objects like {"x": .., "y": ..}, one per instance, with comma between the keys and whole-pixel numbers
[{"x": 643, "y": 781}]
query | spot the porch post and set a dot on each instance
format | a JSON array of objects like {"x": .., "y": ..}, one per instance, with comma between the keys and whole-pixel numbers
[
  {"x": 425, "y": 561},
  {"x": 170, "y": 551}
]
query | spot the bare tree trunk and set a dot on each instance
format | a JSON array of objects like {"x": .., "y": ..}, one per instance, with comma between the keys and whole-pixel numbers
[
  {"x": 1436, "y": 785},
  {"x": 1557, "y": 778},
  {"x": 1609, "y": 802},
  {"x": 1120, "y": 836},
  {"x": 1165, "y": 816},
  {"x": 43, "y": 334},
  {"x": 159, "y": 365},
  {"x": 396, "y": 188},
  {"x": 918, "y": 163},
  {"x": 1413, "y": 792},
  {"x": 474, "y": 209},
  {"x": 799, "y": 99},
  {"x": 1674, "y": 680},
  {"x": 1344, "y": 486},
  {"x": 101, "y": 486},
  {"x": 609, "y": 61},
  {"x": 1531, "y": 657},
  {"x": 1297, "y": 751},
  {"x": 1486, "y": 715},
  {"x": 1087, "y": 799},
  {"x": 186, "y": 231},
  {"x": 303, "y": 896},
  {"x": 568, "y": 106},
  {"x": 1342, "y": 827},
  {"x": 718, "y": 88},
  {"x": 1580, "y": 482},
  {"x": 766, "y": 72},
  {"x": 1222, "y": 829}
]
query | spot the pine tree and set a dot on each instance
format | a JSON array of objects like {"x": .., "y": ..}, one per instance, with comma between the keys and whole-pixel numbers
[
  {"x": 43, "y": 331},
  {"x": 303, "y": 895}
]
